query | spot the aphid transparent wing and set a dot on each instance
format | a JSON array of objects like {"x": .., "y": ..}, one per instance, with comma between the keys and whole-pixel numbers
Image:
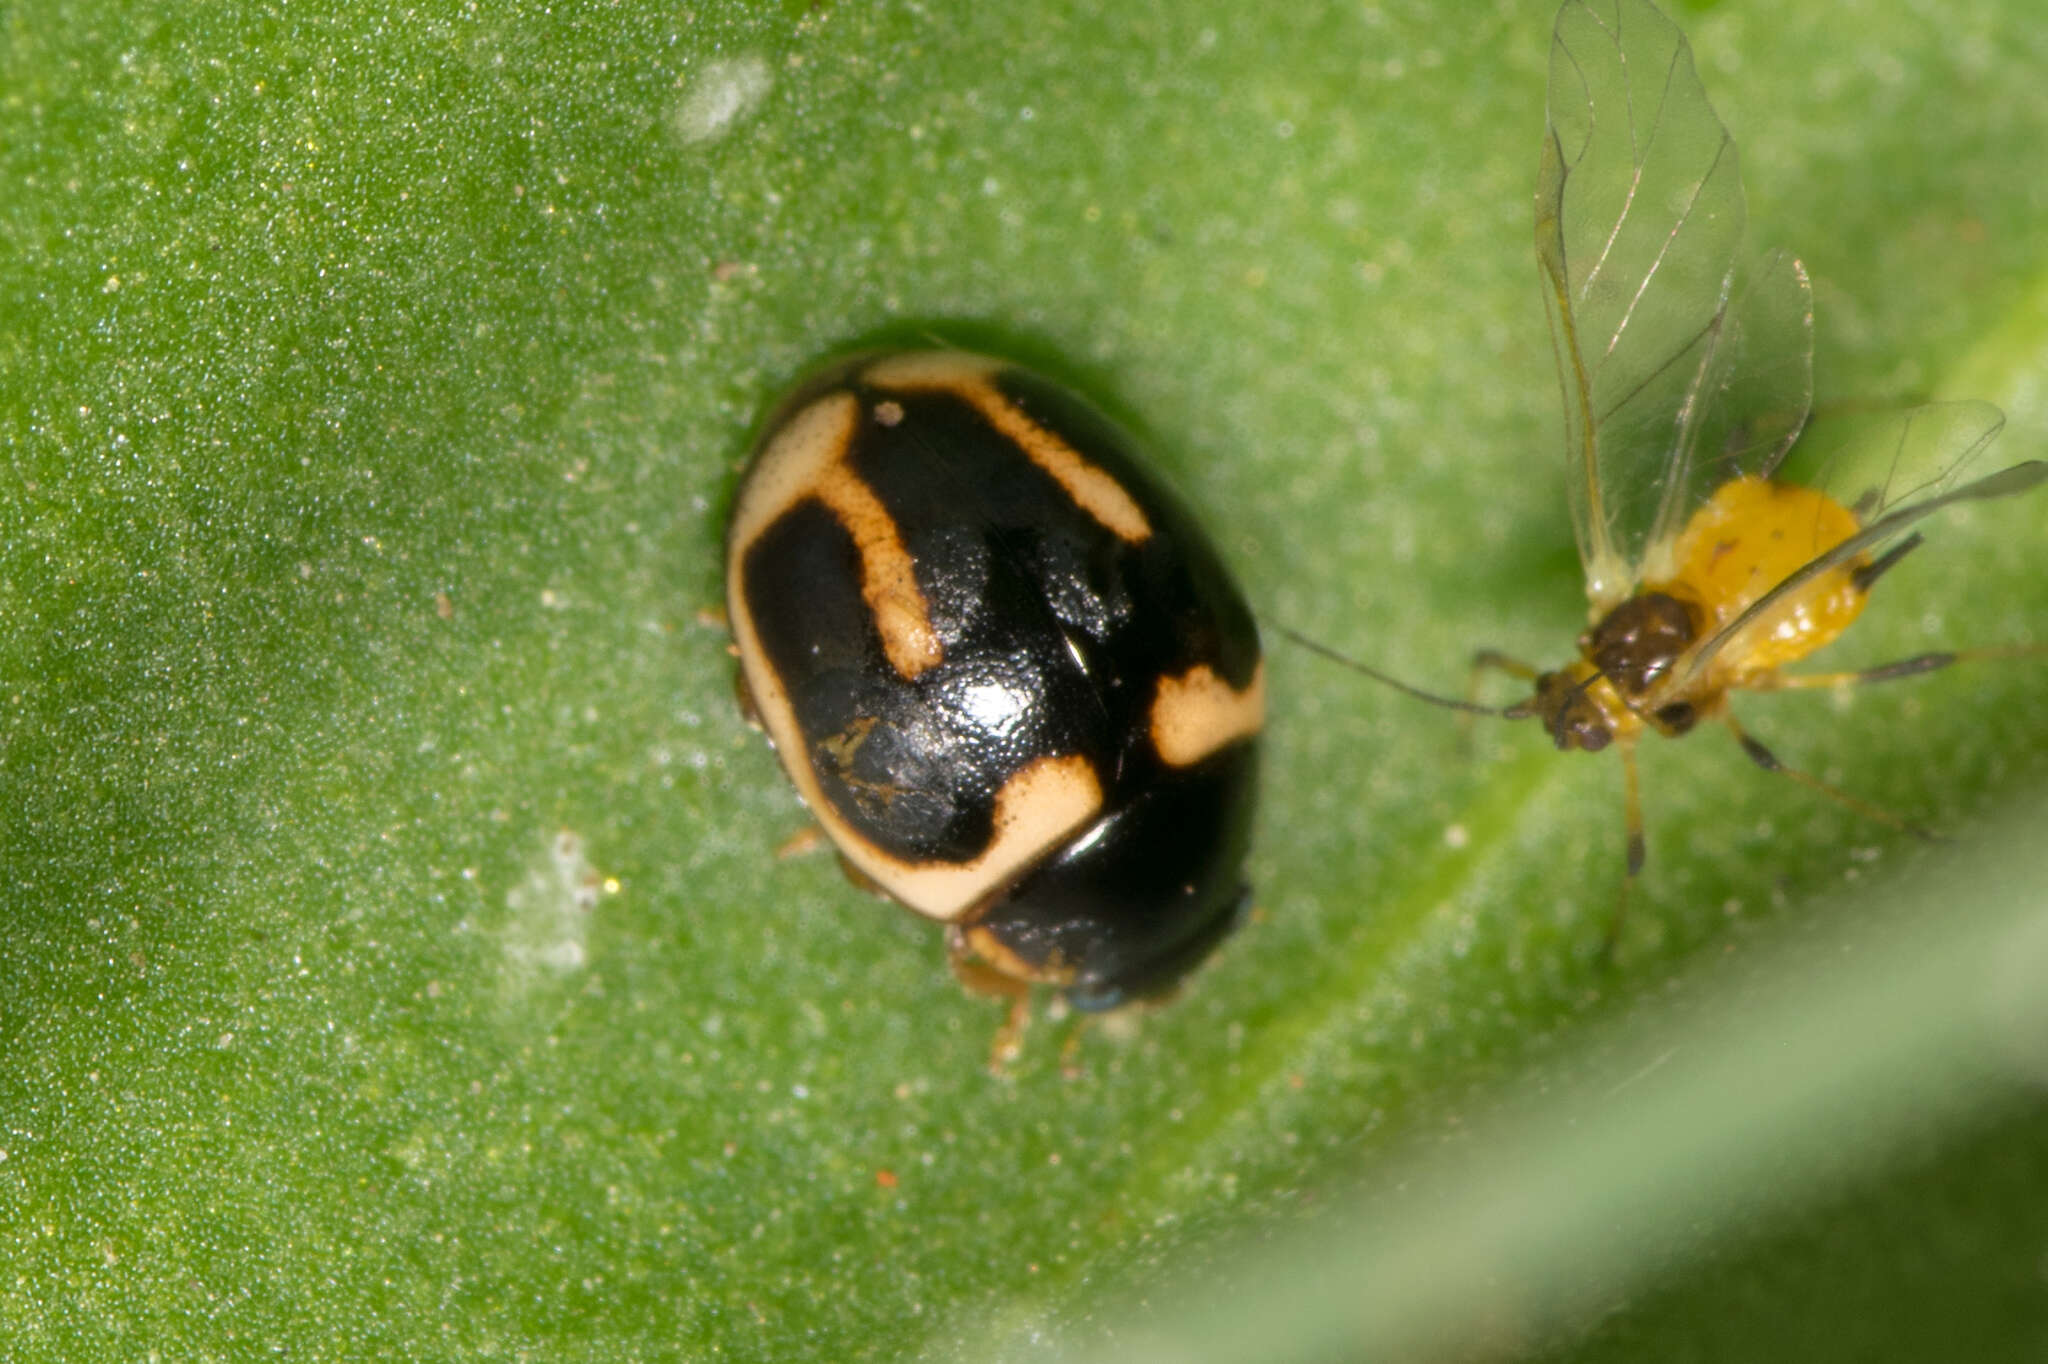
[
  {"x": 1890, "y": 470},
  {"x": 1639, "y": 214},
  {"x": 1754, "y": 399},
  {"x": 1883, "y": 460}
]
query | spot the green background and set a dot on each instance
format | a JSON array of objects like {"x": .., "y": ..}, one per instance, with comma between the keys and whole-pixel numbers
[{"x": 397, "y": 963}]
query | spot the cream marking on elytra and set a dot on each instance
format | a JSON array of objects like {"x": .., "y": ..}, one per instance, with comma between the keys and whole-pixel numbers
[
  {"x": 1094, "y": 491},
  {"x": 808, "y": 460},
  {"x": 1036, "y": 811},
  {"x": 1198, "y": 713}
]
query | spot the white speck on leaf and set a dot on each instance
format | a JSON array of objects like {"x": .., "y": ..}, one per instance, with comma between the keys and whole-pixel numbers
[
  {"x": 720, "y": 95},
  {"x": 551, "y": 911}
]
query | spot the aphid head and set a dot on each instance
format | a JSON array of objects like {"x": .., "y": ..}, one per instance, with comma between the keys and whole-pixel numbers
[{"x": 1574, "y": 719}]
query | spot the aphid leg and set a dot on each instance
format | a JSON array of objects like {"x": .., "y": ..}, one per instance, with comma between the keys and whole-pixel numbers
[
  {"x": 1632, "y": 822},
  {"x": 1483, "y": 662},
  {"x": 1492, "y": 660},
  {"x": 1768, "y": 761},
  {"x": 1891, "y": 672},
  {"x": 978, "y": 977}
]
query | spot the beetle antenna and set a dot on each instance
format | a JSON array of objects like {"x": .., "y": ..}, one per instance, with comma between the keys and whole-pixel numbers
[{"x": 1346, "y": 661}]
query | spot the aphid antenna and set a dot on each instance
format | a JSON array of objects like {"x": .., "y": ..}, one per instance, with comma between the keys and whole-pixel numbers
[{"x": 1344, "y": 660}]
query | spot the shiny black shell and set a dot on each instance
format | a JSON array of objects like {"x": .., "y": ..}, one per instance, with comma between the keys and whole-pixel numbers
[{"x": 1003, "y": 665}]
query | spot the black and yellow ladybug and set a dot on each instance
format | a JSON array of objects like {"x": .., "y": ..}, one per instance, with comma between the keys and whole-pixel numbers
[{"x": 1005, "y": 668}]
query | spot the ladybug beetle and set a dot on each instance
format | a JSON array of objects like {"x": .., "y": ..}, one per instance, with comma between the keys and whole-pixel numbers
[{"x": 1006, "y": 670}]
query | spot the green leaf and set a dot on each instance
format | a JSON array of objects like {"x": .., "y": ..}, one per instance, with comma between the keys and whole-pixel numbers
[{"x": 399, "y": 965}]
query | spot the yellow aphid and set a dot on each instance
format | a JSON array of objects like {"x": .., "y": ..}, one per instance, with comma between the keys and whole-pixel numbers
[{"x": 1687, "y": 378}]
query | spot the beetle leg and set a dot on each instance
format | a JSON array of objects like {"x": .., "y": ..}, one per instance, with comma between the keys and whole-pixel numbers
[
  {"x": 979, "y": 978},
  {"x": 857, "y": 877},
  {"x": 1070, "y": 1050},
  {"x": 803, "y": 843}
]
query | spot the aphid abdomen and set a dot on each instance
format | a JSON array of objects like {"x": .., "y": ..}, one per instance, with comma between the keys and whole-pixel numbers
[{"x": 1751, "y": 535}]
